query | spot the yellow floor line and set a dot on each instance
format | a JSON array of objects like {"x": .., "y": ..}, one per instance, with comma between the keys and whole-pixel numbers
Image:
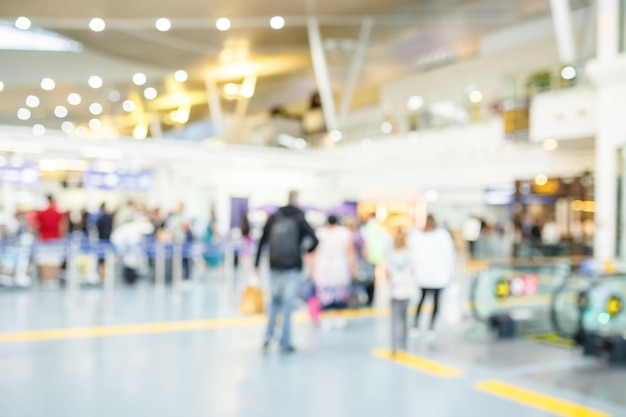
[
  {"x": 171, "y": 327},
  {"x": 127, "y": 329},
  {"x": 537, "y": 400},
  {"x": 552, "y": 339},
  {"x": 421, "y": 364}
]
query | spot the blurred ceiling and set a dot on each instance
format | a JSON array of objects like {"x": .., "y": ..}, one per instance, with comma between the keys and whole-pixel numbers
[{"x": 275, "y": 63}]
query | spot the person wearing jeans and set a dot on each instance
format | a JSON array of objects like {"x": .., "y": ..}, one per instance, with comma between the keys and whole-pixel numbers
[
  {"x": 400, "y": 273},
  {"x": 284, "y": 288},
  {"x": 284, "y": 233}
]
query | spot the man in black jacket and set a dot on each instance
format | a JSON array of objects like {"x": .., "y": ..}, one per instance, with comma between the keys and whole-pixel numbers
[{"x": 283, "y": 233}]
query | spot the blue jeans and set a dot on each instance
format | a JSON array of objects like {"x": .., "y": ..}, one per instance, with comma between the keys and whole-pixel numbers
[{"x": 284, "y": 286}]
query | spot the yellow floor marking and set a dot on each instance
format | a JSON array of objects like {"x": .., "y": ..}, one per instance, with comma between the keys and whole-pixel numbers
[
  {"x": 537, "y": 400},
  {"x": 127, "y": 329},
  {"x": 175, "y": 326},
  {"x": 421, "y": 364},
  {"x": 552, "y": 339}
]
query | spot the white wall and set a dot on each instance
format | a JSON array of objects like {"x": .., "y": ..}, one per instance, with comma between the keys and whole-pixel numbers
[{"x": 459, "y": 162}]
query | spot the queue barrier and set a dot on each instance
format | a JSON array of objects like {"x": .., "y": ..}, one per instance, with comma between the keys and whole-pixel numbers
[
  {"x": 80, "y": 257},
  {"x": 515, "y": 297}
]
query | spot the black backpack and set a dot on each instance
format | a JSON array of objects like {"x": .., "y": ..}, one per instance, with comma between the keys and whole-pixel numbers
[{"x": 285, "y": 241}]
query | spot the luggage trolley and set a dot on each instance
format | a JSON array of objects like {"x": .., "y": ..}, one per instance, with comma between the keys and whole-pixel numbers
[{"x": 514, "y": 298}]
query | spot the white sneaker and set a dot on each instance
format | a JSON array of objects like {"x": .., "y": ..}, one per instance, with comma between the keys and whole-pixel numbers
[
  {"x": 414, "y": 332},
  {"x": 431, "y": 335},
  {"x": 326, "y": 324}
]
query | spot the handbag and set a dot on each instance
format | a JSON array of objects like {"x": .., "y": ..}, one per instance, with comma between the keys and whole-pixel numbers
[{"x": 307, "y": 289}]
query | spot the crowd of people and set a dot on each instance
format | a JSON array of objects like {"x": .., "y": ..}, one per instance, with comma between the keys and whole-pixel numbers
[
  {"x": 343, "y": 260},
  {"x": 127, "y": 226},
  {"x": 340, "y": 258}
]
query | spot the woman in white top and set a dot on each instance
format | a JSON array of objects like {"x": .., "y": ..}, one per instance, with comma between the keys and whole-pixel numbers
[
  {"x": 334, "y": 265},
  {"x": 433, "y": 257}
]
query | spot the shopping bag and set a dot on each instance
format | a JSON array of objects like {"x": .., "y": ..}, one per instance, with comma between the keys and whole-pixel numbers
[
  {"x": 252, "y": 298},
  {"x": 315, "y": 309}
]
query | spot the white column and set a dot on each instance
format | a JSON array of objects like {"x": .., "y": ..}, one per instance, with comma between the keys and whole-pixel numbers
[
  {"x": 605, "y": 179},
  {"x": 321, "y": 74},
  {"x": 608, "y": 73},
  {"x": 608, "y": 29}
]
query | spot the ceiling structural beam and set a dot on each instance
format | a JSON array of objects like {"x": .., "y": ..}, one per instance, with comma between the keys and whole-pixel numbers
[
  {"x": 321, "y": 74},
  {"x": 215, "y": 106},
  {"x": 355, "y": 68},
  {"x": 155, "y": 127},
  {"x": 588, "y": 35},
  {"x": 564, "y": 30}
]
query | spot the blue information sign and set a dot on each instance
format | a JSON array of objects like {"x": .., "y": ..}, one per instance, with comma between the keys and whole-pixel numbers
[
  {"x": 133, "y": 181},
  {"x": 21, "y": 174}
]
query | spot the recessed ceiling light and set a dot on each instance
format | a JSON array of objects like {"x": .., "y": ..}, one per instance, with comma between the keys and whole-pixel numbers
[
  {"x": 67, "y": 127},
  {"x": 95, "y": 124},
  {"x": 140, "y": 78},
  {"x": 386, "y": 127},
  {"x": 32, "y": 101},
  {"x": 128, "y": 105},
  {"x": 23, "y": 114},
  {"x": 231, "y": 89},
  {"x": 223, "y": 24},
  {"x": 415, "y": 103},
  {"x": 74, "y": 99},
  {"x": 97, "y": 25},
  {"x": 140, "y": 132},
  {"x": 277, "y": 22},
  {"x": 39, "y": 130},
  {"x": 114, "y": 96},
  {"x": 541, "y": 179},
  {"x": 95, "y": 109},
  {"x": 22, "y": 23},
  {"x": 150, "y": 93},
  {"x": 476, "y": 96},
  {"x": 163, "y": 24},
  {"x": 60, "y": 111},
  {"x": 81, "y": 132},
  {"x": 48, "y": 84},
  {"x": 568, "y": 73},
  {"x": 335, "y": 135},
  {"x": 94, "y": 81},
  {"x": 550, "y": 144},
  {"x": 1, "y": 86},
  {"x": 180, "y": 76}
]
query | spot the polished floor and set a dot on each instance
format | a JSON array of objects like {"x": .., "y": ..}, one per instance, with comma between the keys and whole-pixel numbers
[{"x": 153, "y": 352}]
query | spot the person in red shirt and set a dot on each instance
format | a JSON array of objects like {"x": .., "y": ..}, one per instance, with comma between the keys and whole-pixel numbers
[{"x": 51, "y": 226}]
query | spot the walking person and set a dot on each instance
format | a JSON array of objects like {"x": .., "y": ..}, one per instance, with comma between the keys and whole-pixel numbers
[
  {"x": 334, "y": 266},
  {"x": 284, "y": 233},
  {"x": 50, "y": 225},
  {"x": 433, "y": 256},
  {"x": 104, "y": 227},
  {"x": 376, "y": 241},
  {"x": 400, "y": 273}
]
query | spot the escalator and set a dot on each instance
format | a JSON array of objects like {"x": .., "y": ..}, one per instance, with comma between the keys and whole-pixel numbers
[{"x": 591, "y": 311}]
